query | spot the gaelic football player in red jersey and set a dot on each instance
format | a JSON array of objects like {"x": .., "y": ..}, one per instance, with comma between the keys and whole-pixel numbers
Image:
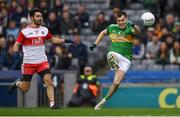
[{"x": 32, "y": 38}]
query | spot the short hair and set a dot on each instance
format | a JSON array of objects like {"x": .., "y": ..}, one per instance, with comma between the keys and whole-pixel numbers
[
  {"x": 121, "y": 13},
  {"x": 33, "y": 11}
]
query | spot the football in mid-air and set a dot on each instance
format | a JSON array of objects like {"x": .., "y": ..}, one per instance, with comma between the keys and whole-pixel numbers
[{"x": 148, "y": 19}]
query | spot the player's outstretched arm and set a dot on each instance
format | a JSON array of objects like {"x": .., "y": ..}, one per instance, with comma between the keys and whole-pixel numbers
[
  {"x": 58, "y": 40},
  {"x": 137, "y": 29},
  {"x": 99, "y": 38}
]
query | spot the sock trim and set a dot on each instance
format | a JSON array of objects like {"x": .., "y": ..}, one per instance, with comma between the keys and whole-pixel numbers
[
  {"x": 17, "y": 83},
  {"x": 106, "y": 97},
  {"x": 52, "y": 103}
]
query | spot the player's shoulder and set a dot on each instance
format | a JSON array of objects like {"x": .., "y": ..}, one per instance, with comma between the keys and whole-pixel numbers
[
  {"x": 30, "y": 30},
  {"x": 26, "y": 30},
  {"x": 43, "y": 28},
  {"x": 113, "y": 25}
]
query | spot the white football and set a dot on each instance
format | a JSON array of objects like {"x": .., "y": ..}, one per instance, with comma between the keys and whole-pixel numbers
[{"x": 148, "y": 19}]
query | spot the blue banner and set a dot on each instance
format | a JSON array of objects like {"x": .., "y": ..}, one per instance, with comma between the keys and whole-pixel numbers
[{"x": 145, "y": 97}]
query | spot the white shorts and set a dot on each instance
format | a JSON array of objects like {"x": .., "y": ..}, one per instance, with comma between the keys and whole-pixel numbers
[{"x": 118, "y": 62}]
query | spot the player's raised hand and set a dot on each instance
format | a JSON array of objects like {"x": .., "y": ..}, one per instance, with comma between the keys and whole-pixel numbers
[{"x": 92, "y": 46}]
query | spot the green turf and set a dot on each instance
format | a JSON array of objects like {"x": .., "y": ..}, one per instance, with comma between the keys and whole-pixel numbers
[{"x": 86, "y": 112}]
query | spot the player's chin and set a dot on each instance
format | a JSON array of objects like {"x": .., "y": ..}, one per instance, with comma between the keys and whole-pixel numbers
[{"x": 38, "y": 23}]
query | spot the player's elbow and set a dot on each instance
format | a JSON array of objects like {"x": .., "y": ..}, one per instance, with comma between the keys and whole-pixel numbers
[
  {"x": 137, "y": 29},
  {"x": 103, "y": 33}
]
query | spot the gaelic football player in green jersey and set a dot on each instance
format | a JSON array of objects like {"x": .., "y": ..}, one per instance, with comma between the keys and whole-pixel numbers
[{"x": 120, "y": 53}]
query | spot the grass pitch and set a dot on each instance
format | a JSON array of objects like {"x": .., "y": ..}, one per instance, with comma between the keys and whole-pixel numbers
[{"x": 87, "y": 112}]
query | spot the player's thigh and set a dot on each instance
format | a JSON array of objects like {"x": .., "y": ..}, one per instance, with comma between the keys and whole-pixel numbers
[
  {"x": 27, "y": 70},
  {"x": 118, "y": 62},
  {"x": 112, "y": 60},
  {"x": 46, "y": 76}
]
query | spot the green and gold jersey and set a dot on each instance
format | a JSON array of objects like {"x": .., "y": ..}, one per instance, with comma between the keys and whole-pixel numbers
[{"x": 122, "y": 39}]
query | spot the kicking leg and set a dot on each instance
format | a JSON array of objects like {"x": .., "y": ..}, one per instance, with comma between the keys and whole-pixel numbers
[
  {"x": 119, "y": 66},
  {"x": 118, "y": 78}
]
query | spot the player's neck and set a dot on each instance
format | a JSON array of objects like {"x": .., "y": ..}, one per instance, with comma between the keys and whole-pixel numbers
[
  {"x": 122, "y": 28},
  {"x": 34, "y": 25}
]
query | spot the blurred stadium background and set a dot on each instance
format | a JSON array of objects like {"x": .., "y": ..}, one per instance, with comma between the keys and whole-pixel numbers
[{"x": 153, "y": 79}]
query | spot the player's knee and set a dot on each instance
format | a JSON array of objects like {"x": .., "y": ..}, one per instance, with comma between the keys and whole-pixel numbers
[
  {"x": 116, "y": 82},
  {"x": 48, "y": 80}
]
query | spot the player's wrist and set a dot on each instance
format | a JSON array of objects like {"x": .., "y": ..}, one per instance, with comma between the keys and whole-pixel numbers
[
  {"x": 133, "y": 25},
  {"x": 94, "y": 44}
]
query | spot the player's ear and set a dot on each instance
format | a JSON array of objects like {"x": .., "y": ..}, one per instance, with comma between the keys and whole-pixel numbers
[{"x": 31, "y": 18}]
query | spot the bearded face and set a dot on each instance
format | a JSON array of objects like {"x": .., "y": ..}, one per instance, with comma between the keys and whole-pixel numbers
[{"x": 37, "y": 18}]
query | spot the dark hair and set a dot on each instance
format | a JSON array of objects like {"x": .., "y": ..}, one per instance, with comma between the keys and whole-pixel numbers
[
  {"x": 33, "y": 11},
  {"x": 121, "y": 13}
]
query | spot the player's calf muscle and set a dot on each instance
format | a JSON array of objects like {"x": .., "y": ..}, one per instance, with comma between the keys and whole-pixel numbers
[{"x": 24, "y": 87}]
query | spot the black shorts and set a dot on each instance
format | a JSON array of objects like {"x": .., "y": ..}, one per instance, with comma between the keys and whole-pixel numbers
[{"x": 27, "y": 77}]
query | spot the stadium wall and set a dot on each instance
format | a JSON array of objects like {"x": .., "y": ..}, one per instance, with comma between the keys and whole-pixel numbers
[
  {"x": 30, "y": 99},
  {"x": 145, "y": 96}
]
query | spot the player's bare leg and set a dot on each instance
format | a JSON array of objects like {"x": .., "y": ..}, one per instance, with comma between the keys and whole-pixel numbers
[
  {"x": 22, "y": 85},
  {"x": 118, "y": 78},
  {"x": 119, "y": 74},
  {"x": 50, "y": 90}
]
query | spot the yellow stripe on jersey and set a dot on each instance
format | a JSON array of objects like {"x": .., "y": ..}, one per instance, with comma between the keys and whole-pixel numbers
[{"x": 121, "y": 38}]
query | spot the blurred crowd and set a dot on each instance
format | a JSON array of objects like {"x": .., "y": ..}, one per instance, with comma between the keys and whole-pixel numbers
[{"x": 160, "y": 42}]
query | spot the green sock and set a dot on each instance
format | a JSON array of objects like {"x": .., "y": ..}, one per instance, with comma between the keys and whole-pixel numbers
[{"x": 106, "y": 97}]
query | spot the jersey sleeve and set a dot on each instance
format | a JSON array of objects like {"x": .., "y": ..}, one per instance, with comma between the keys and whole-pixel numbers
[
  {"x": 20, "y": 38},
  {"x": 48, "y": 36}
]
